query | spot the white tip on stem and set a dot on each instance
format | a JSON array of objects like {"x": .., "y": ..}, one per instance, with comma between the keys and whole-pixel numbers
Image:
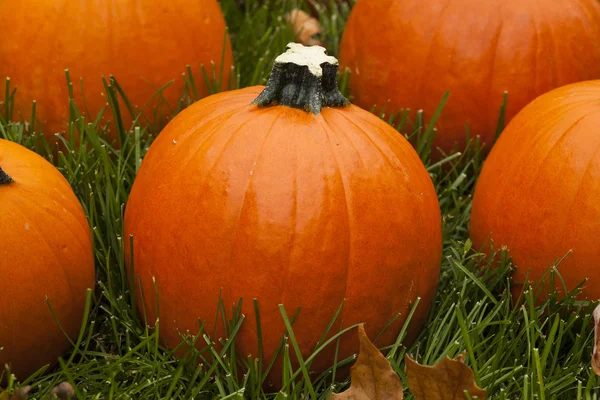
[{"x": 311, "y": 56}]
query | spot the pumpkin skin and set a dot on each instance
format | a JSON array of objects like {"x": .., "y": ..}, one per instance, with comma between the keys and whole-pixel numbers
[
  {"x": 538, "y": 190},
  {"x": 290, "y": 208},
  {"x": 143, "y": 43},
  {"x": 411, "y": 52},
  {"x": 46, "y": 248}
]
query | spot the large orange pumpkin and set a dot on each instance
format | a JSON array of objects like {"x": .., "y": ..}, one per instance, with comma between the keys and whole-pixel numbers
[
  {"x": 46, "y": 254},
  {"x": 143, "y": 43},
  {"x": 539, "y": 190},
  {"x": 306, "y": 202},
  {"x": 411, "y": 52}
]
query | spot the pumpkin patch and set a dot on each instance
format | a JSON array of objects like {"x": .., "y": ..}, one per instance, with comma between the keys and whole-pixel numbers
[{"x": 302, "y": 235}]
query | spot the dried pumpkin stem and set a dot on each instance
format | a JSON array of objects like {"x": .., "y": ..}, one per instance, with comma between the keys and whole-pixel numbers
[
  {"x": 304, "y": 78},
  {"x": 5, "y": 179}
]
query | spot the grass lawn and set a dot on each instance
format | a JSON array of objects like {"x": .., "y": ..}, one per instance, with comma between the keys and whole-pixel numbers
[{"x": 524, "y": 352}]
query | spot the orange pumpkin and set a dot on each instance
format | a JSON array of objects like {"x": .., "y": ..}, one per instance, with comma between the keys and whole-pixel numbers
[
  {"x": 306, "y": 202},
  {"x": 143, "y": 43},
  {"x": 46, "y": 248},
  {"x": 410, "y": 52},
  {"x": 539, "y": 188}
]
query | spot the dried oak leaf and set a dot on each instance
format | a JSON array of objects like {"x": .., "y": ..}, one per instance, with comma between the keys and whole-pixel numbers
[
  {"x": 18, "y": 394},
  {"x": 446, "y": 380},
  {"x": 63, "y": 391},
  {"x": 596, "y": 353},
  {"x": 307, "y": 29},
  {"x": 372, "y": 376}
]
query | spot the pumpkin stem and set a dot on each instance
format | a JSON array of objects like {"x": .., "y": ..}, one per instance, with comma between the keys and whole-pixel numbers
[
  {"x": 304, "y": 78},
  {"x": 4, "y": 178}
]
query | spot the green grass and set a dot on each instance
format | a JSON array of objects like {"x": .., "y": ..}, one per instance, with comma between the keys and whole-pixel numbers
[{"x": 516, "y": 352}]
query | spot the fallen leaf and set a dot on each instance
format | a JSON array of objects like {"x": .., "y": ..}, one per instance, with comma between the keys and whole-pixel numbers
[
  {"x": 307, "y": 29},
  {"x": 64, "y": 391},
  {"x": 446, "y": 380},
  {"x": 372, "y": 376},
  {"x": 18, "y": 394},
  {"x": 595, "y": 354}
]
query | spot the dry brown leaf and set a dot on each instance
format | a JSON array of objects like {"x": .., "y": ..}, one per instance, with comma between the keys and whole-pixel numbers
[
  {"x": 596, "y": 354},
  {"x": 306, "y": 28},
  {"x": 63, "y": 391},
  {"x": 18, "y": 394},
  {"x": 372, "y": 376},
  {"x": 446, "y": 380}
]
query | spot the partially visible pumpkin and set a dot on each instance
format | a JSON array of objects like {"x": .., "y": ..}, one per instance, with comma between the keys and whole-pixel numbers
[
  {"x": 410, "y": 52},
  {"x": 45, "y": 255},
  {"x": 143, "y": 43},
  {"x": 539, "y": 190},
  {"x": 304, "y": 203}
]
